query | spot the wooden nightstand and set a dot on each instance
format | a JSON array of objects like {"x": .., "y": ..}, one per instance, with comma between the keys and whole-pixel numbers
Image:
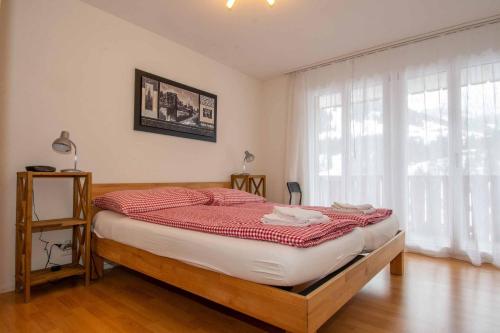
[
  {"x": 80, "y": 222},
  {"x": 255, "y": 184}
]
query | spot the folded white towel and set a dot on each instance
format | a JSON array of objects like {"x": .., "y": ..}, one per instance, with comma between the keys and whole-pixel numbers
[
  {"x": 297, "y": 213},
  {"x": 353, "y": 209},
  {"x": 349, "y": 206},
  {"x": 277, "y": 219}
]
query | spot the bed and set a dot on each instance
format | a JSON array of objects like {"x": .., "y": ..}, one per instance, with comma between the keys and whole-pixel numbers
[{"x": 261, "y": 279}]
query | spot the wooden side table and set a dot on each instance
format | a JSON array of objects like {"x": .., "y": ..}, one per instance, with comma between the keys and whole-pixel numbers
[
  {"x": 80, "y": 222},
  {"x": 255, "y": 184}
]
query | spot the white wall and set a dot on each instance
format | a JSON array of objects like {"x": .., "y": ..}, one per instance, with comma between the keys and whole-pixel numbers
[
  {"x": 273, "y": 134},
  {"x": 67, "y": 65}
]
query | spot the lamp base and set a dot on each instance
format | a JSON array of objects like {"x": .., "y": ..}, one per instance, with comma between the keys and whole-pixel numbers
[{"x": 71, "y": 170}]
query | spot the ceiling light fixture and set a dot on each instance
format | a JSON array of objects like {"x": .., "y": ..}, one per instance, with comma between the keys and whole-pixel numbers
[{"x": 230, "y": 3}]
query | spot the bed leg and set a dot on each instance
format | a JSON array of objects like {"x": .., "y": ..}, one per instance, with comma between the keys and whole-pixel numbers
[
  {"x": 398, "y": 264},
  {"x": 97, "y": 262}
]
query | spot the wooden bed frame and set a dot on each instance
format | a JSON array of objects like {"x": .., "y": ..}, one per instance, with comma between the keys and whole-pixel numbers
[{"x": 300, "y": 310}]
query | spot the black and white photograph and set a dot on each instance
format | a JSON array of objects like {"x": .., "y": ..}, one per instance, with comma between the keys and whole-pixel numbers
[
  {"x": 149, "y": 98},
  {"x": 179, "y": 105},
  {"x": 172, "y": 108},
  {"x": 207, "y": 114}
]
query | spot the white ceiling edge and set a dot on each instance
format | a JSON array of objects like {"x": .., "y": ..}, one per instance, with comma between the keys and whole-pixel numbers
[{"x": 266, "y": 42}]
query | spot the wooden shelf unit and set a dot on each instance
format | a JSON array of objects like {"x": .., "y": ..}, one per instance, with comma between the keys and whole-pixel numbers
[
  {"x": 255, "y": 184},
  {"x": 57, "y": 223},
  {"x": 46, "y": 275},
  {"x": 80, "y": 222}
]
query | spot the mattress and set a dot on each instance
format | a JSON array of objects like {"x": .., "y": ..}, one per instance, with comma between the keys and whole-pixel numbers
[
  {"x": 376, "y": 235},
  {"x": 253, "y": 260}
]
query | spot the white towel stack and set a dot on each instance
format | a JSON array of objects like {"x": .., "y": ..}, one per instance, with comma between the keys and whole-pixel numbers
[
  {"x": 353, "y": 209},
  {"x": 297, "y": 217}
]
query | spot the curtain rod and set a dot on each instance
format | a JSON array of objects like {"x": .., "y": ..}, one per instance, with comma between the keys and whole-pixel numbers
[{"x": 402, "y": 42}]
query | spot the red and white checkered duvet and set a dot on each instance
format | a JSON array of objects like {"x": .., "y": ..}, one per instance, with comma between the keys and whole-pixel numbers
[{"x": 243, "y": 221}]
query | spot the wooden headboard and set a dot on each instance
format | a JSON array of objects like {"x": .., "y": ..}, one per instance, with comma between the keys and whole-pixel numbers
[{"x": 100, "y": 189}]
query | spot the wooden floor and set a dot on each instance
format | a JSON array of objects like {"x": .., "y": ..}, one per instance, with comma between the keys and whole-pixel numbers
[{"x": 435, "y": 295}]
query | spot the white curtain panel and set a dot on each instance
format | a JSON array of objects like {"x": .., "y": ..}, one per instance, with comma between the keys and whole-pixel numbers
[{"x": 416, "y": 129}]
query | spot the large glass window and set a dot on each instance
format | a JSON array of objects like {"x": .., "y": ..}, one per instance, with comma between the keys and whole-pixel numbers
[
  {"x": 428, "y": 159},
  {"x": 366, "y": 143},
  {"x": 349, "y": 144},
  {"x": 480, "y": 151}
]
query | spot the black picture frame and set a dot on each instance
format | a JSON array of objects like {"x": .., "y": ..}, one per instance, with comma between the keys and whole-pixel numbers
[{"x": 163, "y": 106}]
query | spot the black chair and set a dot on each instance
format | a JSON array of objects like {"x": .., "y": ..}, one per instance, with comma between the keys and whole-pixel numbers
[{"x": 294, "y": 187}]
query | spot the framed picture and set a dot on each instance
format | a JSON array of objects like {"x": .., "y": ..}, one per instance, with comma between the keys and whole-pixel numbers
[{"x": 167, "y": 107}]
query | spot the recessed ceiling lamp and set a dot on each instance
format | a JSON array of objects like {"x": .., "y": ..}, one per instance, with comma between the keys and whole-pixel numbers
[{"x": 230, "y": 3}]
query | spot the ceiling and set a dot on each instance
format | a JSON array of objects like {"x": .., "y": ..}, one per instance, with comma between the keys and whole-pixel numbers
[{"x": 264, "y": 42}]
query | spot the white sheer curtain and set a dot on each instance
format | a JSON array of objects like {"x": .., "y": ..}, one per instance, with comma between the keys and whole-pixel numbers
[{"x": 416, "y": 129}]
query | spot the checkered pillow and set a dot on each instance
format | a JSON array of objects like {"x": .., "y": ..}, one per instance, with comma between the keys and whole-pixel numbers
[
  {"x": 139, "y": 201},
  {"x": 229, "y": 197}
]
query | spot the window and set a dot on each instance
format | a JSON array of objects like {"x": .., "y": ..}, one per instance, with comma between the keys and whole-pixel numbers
[
  {"x": 480, "y": 152},
  {"x": 416, "y": 129},
  {"x": 349, "y": 144},
  {"x": 330, "y": 139},
  {"x": 366, "y": 143},
  {"x": 428, "y": 159}
]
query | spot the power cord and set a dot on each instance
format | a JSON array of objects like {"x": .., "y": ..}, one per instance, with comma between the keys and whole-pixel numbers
[
  {"x": 46, "y": 248},
  {"x": 33, "y": 204}
]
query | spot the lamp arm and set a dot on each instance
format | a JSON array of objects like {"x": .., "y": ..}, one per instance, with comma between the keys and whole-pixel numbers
[{"x": 76, "y": 154}]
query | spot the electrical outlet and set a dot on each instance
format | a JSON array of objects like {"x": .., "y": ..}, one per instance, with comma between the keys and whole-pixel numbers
[
  {"x": 66, "y": 245},
  {"x": 67, "y": 248}
]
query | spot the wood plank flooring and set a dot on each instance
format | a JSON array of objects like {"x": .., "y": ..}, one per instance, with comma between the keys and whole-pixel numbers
[{"x": 435, "y": 295}]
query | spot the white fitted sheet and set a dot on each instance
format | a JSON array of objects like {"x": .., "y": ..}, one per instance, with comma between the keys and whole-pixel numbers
[
  {"x": 376, "y": 235},
  {"x": 253, "y": 260}
]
